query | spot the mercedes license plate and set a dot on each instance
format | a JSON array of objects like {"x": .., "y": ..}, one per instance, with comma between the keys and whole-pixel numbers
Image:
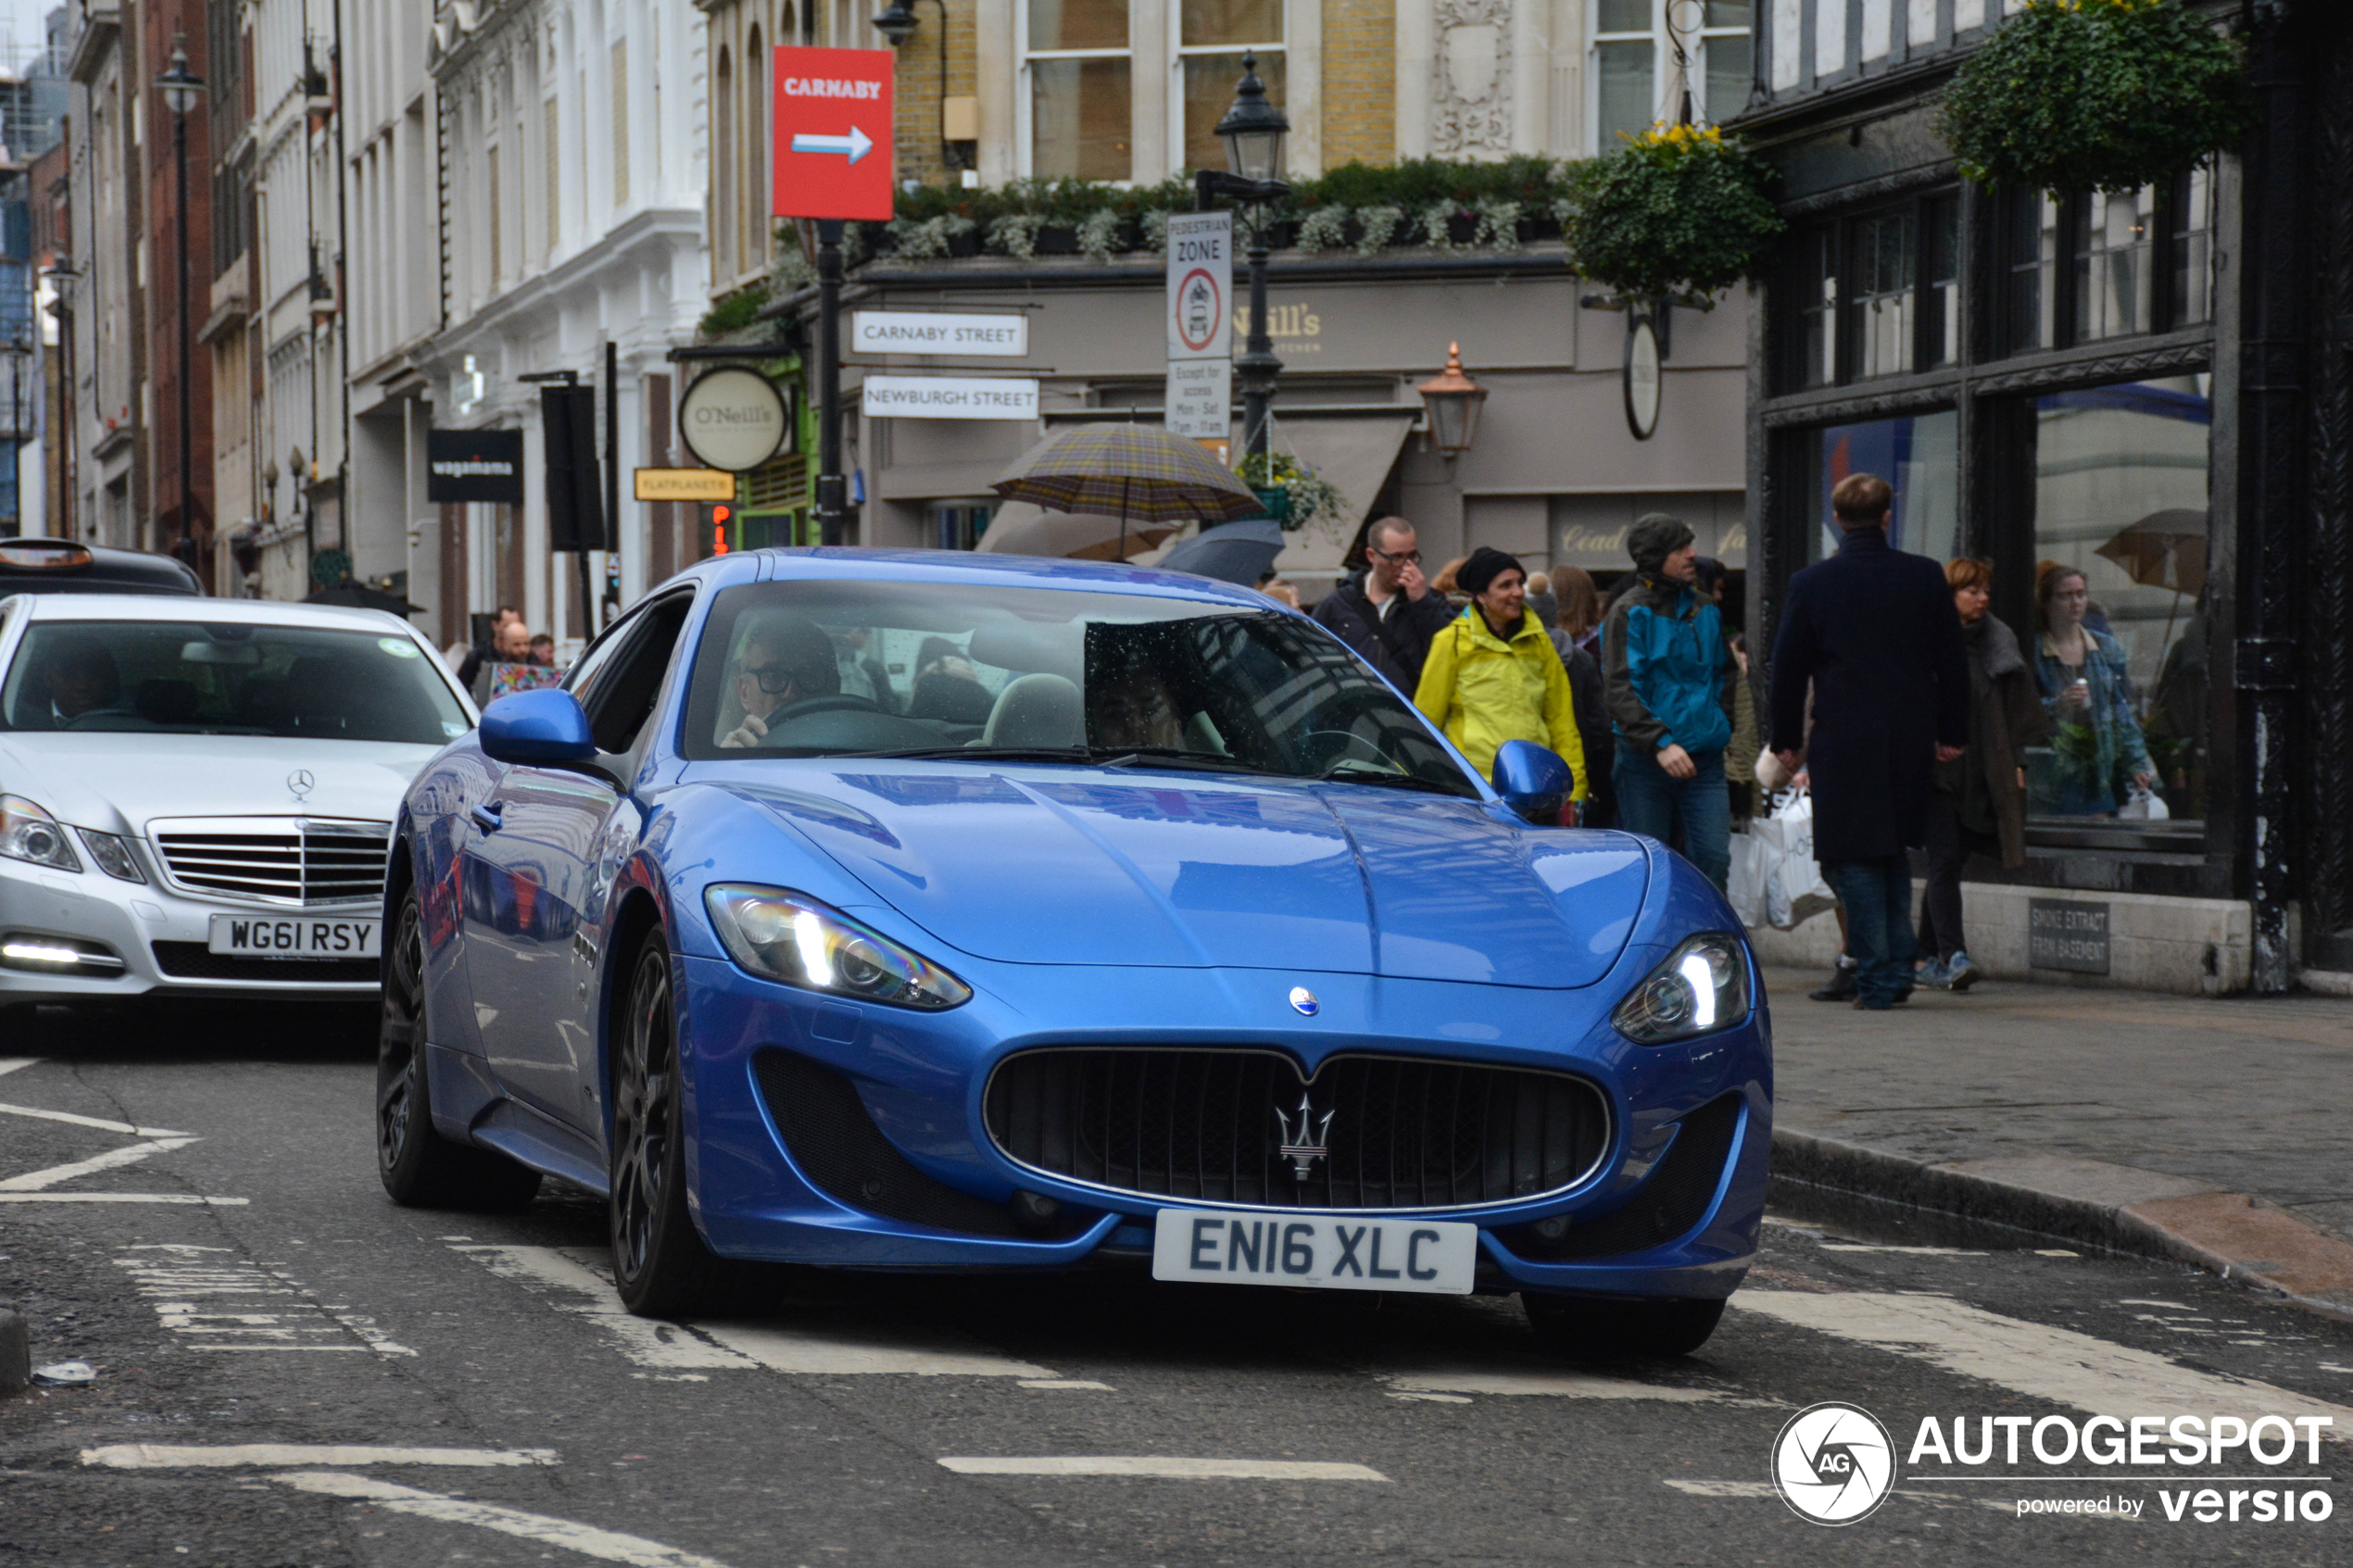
[
  {"x": 262, "y": 936},
  {"x": 1321, "y": 1251}
]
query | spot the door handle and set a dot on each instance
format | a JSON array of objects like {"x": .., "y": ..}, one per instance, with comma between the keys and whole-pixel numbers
[{"x": 488, "y": 817}]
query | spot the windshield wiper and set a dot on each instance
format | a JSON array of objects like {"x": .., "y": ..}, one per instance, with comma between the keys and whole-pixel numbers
[
  {"x": 1356, "y": 770},
  {"x": 1170, "y": 757},
  {"x": 980, "y": 754}
]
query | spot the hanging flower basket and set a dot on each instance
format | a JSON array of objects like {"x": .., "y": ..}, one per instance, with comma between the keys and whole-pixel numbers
[
  {"x": 1293, "y": 493},
  {"x": 2096, "y": 95},
  {"x": 1679, "y": 208}
]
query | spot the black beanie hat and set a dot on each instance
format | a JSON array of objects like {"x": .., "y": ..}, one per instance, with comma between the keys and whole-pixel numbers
[
  {"x": 1655, "y": 536},
  {"x": 1486, "y": 564}
]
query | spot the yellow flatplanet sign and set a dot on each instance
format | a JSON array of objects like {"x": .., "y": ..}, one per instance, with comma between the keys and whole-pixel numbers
[{"x": 684, "y": 484}]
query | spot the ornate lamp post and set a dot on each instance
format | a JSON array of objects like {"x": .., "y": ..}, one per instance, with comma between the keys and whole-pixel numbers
[
  {"x": 1253, "y": 131},
  {"x": 1452, "y": 402},
  {"x": 182, "y": 91}
]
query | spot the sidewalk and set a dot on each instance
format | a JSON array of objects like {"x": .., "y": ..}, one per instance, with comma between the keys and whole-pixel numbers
[{"x": 2214, "y": 1131}]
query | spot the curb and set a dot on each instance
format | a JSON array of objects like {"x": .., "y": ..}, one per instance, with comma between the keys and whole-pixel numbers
[{"x": 2089, "y": 1203}]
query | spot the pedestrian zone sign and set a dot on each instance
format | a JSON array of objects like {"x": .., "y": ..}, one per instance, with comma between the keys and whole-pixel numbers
[{"x": 832, "y": 120}]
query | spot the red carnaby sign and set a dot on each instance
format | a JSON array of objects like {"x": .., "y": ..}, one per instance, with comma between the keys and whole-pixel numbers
[{"x": 833, "y": 155}]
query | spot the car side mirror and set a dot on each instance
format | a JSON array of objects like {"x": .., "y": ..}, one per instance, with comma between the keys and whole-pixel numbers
[
  {"x": 544, "y": 728},
  {"x": 1535, "y": 782}
]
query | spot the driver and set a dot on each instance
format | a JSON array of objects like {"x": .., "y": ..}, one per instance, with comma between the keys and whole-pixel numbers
[
  {"x": 83, "y": 680},
  {"x": 1134, "y": 709},
  {"x": 785, "y": 660}
]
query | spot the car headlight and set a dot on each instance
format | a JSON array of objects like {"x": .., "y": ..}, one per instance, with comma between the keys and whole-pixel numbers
[
  {"x": 112, "y": 854},
  {"x": 791, "y": 937},
  {"x": 26, "y": 832},
  {"x": 1702, "y": 987}
]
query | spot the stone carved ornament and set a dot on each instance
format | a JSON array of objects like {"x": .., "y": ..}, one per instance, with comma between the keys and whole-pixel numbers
[{"x": 1471, "y": 77}]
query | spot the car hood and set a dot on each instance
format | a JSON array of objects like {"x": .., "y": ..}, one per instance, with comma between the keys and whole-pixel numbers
[
  {"x": 119, "y": 782},
  {"x": 1059, "y": 865}
]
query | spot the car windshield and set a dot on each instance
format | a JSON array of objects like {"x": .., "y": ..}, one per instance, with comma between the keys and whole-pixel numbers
[
  {"x": 189, "y": 677},
  {"x": 835, "y": 668}
]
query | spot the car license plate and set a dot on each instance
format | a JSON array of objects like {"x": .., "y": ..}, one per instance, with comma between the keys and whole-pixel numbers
[
  {"x": 1319, "y": 1251},
  {"x": 265, "y": 937}
]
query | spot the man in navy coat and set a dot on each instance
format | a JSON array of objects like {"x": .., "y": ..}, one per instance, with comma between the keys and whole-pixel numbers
[{"x": 1872, "y": 634}]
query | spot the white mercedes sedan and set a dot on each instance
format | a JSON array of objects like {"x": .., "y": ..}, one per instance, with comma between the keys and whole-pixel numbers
[{"x": 197, "y": 794}]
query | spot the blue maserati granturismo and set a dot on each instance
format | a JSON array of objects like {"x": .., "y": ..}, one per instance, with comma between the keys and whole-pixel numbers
[{"x": 915, "y": 910}]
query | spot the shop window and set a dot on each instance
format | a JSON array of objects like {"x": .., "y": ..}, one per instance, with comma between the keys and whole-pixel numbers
[
  {"x": 2115, "y": 243},
  {"x": 1210, "y": 38},
  {"x": 958, "y": 525},
  {"x": 1080, "y": 93},
  {"x": 1918, "y": 454},
  {"x": 1816, "y": 289},
  {"x": 2118, "y": 639},
  {"x": 2091, "y": 266},
  {"x": 1636, "y": 74},
  {"x": 1885, "y": 260},
  {"x": 1877, "y": 293},
  {"x": 2031, "y": 255}
]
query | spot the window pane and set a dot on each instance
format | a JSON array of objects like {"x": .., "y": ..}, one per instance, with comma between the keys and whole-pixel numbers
[
  {"x": 2114, "y": 245},
  {"x": 1940, "y": 290},
  {"x": 1628, "y": 98},
  {"x": 1623, "y": 16},
  {"x": 1883, "y": 275},
  {"x": 1078, "y": 24},
  {"x": 1079, "y": 121},
  {"x": 2121, "y": 492},
  {"x": 1728, "y": 13},
  {"x": 1727, "y": 78},
  {"x": 1919, "y": 455},
  {"x": 2193, "y": 287},
  {"x": 1209, "y": 92},
  {"x": 1231, "y": 21},
  {"x": 2034, "y": 267},
  {"x": 1818, "y": 309}
]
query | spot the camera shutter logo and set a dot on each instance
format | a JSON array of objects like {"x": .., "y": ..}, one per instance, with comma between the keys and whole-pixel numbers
[{"x": 1833, "y": 1464}]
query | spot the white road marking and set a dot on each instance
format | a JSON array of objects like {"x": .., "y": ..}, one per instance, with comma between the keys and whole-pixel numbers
[
  {"x": 129, "y": 1154},
  {"x": 1063, "y": 1383},
  {"x": 166, "y": 1456},
  {"x": 1914, "y": 1251},
  {"x": 1433, "y": 1398},
  {"x": 550, "y": 1272},
  {"x": 589, "y": 1541},
  {"x": 2056, "y": 1364},
  {"x": 70, "y": 1119},
  {"x": 2057, "y": 1252},
  {"x": 833, "y": 1352},
  {"x": 122, "y": 1198},
  {"x": 1168, "y": 1469},
  {"x": 10, "y": 1063},
  {"x": 246, "y": 1306},
  {"x": 1559, "y": 1385}
]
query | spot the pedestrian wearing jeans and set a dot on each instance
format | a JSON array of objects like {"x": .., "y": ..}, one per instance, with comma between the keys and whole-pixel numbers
[
  {"x": 1876, "y": 633},
  {"x": 1667, "y": 675}
]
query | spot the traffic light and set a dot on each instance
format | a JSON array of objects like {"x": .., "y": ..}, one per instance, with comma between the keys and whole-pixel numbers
[{"x": 719, "y": 540}]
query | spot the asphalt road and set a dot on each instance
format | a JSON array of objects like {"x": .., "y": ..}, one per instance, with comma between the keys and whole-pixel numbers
[{"x": 258, "y": 1350}]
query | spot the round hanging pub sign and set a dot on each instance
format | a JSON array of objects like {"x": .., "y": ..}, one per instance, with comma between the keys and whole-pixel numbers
[
  {"x": 733, "y": 418},
  {"x": 1642, "y": 384}
]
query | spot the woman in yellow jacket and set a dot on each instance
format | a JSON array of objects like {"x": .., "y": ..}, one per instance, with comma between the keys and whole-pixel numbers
[{"x": 1493, "y": 674}]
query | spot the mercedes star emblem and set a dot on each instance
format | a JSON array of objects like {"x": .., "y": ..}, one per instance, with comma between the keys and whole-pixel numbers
[{"x": 301, "y": 784}]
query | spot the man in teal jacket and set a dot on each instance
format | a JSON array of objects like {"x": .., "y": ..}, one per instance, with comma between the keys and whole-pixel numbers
[{"x": 1666, "y": 674}]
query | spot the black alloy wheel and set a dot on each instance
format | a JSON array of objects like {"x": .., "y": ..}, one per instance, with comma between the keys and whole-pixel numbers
[
  {"x": 661, "y": 1264},
  {"x": 1581, "y": 1329},
  {"x": 419, "y": 1167}
]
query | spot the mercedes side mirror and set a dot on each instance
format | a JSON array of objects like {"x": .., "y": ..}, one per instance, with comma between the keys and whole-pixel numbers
[
  {"x": 544, "y": 728},
  {"x": 1534, "y": 781}
]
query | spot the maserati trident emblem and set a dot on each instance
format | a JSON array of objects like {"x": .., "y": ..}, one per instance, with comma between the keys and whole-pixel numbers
[
  {"x": 301, "y": 784},
  {"x": 1304, "y": 1145},
  {"x": 1302, "y": 1000}
]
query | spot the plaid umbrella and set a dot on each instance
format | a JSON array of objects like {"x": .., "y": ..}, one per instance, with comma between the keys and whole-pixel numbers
[{"x": 1134, "y": 473}]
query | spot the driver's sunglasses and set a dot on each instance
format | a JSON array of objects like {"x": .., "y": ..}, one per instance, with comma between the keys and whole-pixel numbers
[
  {"x": 1415, "y": 556},
  {"x": 772, "y": 678}
]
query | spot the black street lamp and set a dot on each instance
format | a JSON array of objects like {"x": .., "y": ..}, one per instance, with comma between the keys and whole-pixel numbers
[
  {"x": 182, "y": 91},
  {"x": 1252, "y": 131}
]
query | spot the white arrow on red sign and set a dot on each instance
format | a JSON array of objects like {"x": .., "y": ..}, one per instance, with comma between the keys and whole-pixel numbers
[{"x": 855, "y": 145}]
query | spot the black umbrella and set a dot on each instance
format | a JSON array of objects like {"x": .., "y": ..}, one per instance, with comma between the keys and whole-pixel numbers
[
  {"x": 1234, "y": 552},
  {"x": 358, "y": 595}
]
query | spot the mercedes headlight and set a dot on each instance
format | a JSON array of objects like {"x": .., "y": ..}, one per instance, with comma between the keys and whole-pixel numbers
[
  {"x": 26, "y": 832},
  {"x": 793, "y": 938},
  {"x": 1702, "y": 987},
  {"x": 112, "y": 854}
]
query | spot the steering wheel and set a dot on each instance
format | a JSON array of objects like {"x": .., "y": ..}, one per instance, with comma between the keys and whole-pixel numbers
[
  {"x": 841, "y": 702},
  {"x": 1320, "y": 749}
]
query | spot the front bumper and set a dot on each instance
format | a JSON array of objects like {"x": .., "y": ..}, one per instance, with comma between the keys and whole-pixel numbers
[
  {"x": 128, "y": 920},
  {"x": 920, "y": 1077}
]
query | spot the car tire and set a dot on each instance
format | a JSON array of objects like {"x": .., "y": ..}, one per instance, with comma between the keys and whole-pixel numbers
[
  {"x": 1589, "y": 1330},
  {"x": 661, "y": 1264},
  {"x": 420, "y": 1168}
]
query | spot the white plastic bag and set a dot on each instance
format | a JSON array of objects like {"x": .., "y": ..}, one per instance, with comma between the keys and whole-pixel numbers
[
  {"x": 1794, "y": 891},
  {"x": 2142, "y": 806},
  {"x": 1745, "y": 886}
]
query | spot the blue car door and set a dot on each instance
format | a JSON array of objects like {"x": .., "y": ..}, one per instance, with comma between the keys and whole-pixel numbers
[{"x": 544, "y": 851}]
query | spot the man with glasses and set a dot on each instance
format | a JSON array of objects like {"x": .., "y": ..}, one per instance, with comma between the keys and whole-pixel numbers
[
  {"x": 785, "y": 661},
  {"x": 1385, "y": 610}
]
